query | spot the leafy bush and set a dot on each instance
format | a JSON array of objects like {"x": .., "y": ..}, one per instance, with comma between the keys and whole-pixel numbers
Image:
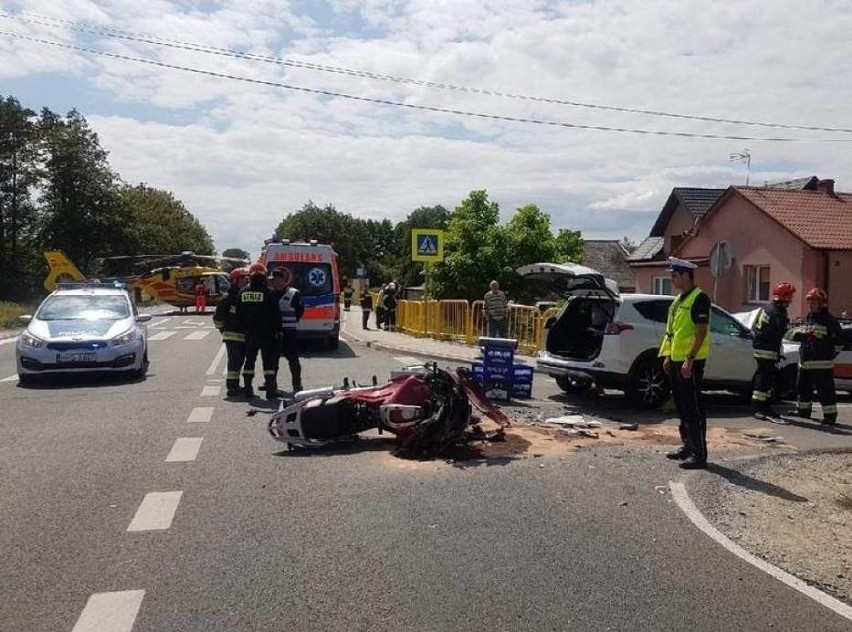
[{"x": 9, "y": 313}]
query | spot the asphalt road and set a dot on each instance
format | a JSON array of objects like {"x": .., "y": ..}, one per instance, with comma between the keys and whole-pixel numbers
[{"x": 346, "y": 539}]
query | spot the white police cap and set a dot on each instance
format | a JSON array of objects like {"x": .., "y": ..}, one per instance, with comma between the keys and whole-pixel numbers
[{"x": 679, "y": 265}]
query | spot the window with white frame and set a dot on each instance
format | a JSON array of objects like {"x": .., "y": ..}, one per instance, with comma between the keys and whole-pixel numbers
[
  {"x": 757, "y": 284},
  {"x": 663, "y": 285}
]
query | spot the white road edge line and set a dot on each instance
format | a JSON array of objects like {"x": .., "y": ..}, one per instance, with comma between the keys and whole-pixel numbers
[
  {"x": 681, "y": 497},
  {"x": 156, "y": 511},
  {"x": 200, "y": 415},
  {"x": 7, "y": 341},
  {"x": 185, "y": 449},
  {"x": 11, "y": 378},
  {"x": 219, "y": 355},
  {"x": 113, "y": 611},
  {"x": 197, "y": 334},
  {"x": 210, "y": 391}
]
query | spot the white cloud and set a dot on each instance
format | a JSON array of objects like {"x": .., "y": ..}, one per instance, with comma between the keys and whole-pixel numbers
[{"x": 251, "y": 153}]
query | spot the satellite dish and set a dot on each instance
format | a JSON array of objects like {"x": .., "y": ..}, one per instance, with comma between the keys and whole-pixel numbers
[{"x": 721, "y": 258}]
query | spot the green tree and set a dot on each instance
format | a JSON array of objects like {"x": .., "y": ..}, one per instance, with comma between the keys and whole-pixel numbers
[
  {"x": 83, "y": 211},
  {"x": 19, "y": 251},
  {"x": 161, "y": 224},
  {"x": 236, "y": 253},
  {"x": 472, "y": 252},
  {"x": 328, "y": 226}
]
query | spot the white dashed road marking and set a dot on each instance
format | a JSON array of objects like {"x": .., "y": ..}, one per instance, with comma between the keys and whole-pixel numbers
[
  {"x": 160, "y": 323},
  {"x": 185, "y": 449},
  {"x": 156, "y": 511},
  {"x": 681, "y": 497},
  {"x": 221, "y": 354},
  {"x": 408, "y": 360},
  {"x": 8, "y": 341},
  {"x": 161, "y": 335},
  {"x": 11, "y": 378},
  {"x": 201, "y": 414},
  {"x": 210, "y": 391},
  {"x": 197, "y": 335},
  {"x": 113, "y": 611}
]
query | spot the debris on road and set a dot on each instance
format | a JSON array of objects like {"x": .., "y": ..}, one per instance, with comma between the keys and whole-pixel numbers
[{"x": 631, "y": 427}]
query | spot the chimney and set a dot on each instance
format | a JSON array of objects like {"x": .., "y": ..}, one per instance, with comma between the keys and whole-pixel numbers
[{"x": 826, "y": 186}]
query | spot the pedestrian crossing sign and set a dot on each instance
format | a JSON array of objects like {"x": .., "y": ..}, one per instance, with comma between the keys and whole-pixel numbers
[{"x": 427, "y": 244}]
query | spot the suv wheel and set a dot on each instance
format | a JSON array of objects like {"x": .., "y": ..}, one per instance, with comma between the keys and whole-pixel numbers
[
  {"x": 572, "y": 386},
  {"x": 648, "y": 385}
]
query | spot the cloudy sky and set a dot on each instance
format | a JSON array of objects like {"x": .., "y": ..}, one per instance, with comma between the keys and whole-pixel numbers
[{"x": 243, "y": 153}]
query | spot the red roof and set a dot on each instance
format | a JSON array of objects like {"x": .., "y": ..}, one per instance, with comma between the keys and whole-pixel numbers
[{"x": 819, "y": 219}]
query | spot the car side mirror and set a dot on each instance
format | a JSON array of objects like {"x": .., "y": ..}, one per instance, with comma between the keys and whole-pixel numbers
[
  {"x": 143, "y": 318},
  {"x": 25, "y": 318}
]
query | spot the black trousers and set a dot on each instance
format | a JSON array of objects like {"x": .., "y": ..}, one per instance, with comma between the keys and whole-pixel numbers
[
  {"x": 268, "y": 349},
  {"x": 236, "y": 357},
  {"x": 365, "y": 318},
  {"x": 289, "y": 348},
  {"x": 764, "y": 383},
  {"x": 687, "y": 397},
  {"x": 823, "y": 380}
]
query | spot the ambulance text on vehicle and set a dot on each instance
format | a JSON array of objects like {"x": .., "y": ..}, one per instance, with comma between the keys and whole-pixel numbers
[{"x": 313, "y": 270}]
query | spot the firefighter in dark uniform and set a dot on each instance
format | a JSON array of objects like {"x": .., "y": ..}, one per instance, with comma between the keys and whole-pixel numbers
[
  {"x": 233, "y": 335},
  {"x": 291, "y": 306},
  {"x": 260, "y": 318},
  {"x": 767, "y": 334},
  {"x": 817, "y": 335},
  {"x": 685, "y": 349}
]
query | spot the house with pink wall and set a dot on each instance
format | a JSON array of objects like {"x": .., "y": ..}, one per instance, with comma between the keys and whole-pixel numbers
[
  {"x": 798, "y": 231},
  {"x": 803, "y": 236},
  {"x": 678, "y": 219}
]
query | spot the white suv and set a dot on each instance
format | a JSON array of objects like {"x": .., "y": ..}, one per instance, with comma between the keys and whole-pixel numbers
[{"x": 613, "y": 340}]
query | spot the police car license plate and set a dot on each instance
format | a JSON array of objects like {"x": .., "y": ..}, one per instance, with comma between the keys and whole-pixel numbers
[{"x": 73, "y": 358}]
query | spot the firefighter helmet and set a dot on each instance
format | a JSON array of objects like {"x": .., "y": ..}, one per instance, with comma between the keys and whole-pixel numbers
[
  {"x": 783, "y": 292},
  {"x": 818, "y": 295},
  {"x": 257, "y": 269},
  {"x": 236, "y": 275}
]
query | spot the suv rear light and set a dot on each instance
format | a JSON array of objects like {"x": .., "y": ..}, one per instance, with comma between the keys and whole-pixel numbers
[{"x": 616, "y": 328}]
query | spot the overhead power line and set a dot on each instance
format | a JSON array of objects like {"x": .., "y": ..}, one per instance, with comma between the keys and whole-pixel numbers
[
  {"x": 226, "y": 52},
  {"x": 412, "y": 106}
]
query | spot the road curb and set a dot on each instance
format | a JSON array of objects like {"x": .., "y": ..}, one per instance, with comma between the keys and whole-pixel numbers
[{"x": 680, "y": 494}]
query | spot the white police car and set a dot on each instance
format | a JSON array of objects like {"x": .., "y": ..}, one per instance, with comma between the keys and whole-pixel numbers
[{"x": 83, "y": 327}]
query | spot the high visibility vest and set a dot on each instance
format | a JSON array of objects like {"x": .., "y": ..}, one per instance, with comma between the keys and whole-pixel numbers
[
  {"x": 680, "y": 330},
  {"x": 289, "y": 318}
]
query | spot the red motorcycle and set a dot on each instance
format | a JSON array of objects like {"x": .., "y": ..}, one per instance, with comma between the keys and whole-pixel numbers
[{"x": 427, "y": 408}]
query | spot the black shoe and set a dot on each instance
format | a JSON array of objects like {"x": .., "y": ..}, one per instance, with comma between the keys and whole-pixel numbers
[
  {"x": 271, "y": 394},
  {"x": 678, "y": 455},
  {"x": 297, "y": 388},
  {"x": 248, "y": 392},
  {"x": 828, "y": 422},
  {"x": 693, "y": 464},
  {"x": 231, "y": 393},
  {"x": 800, "y": 415}
]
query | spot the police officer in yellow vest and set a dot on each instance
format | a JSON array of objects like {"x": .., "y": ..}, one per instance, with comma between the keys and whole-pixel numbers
[{"x": 685, "y": 349}]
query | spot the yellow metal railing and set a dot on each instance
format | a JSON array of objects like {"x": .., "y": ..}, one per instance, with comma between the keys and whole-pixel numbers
[{"x": 464, "y": 322}]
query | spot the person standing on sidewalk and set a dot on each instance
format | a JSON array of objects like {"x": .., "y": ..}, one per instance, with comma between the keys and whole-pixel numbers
[
  {"x": 685, "y": 349},
  {"x": 366, "y": 307},
  {"x": 495, "y": 308},
  {"x": 389, "y": 306},
  {"x": 768, "y": 333},
  {"x": 818, "y": 335}
]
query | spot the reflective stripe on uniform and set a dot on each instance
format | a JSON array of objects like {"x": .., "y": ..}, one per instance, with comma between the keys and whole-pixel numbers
[
  {"x": 233, "y": 336},
  {"x": 268, "y": 372},
  {"x": 830, "y": 409},
  {"x": 760, "y": 396},
  {"x": 807, "y": 406},
  {"x": 233, "y": 375},
  {"x": 811, "y": 365},
  {"x": 763, "y": 354}
]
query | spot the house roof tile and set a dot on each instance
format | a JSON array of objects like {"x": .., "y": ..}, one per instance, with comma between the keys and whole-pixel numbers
[
  {"x": 820, "y": 219},
  {"x": 648, "y": 249},
  {"x": 609, "y": 257}
]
